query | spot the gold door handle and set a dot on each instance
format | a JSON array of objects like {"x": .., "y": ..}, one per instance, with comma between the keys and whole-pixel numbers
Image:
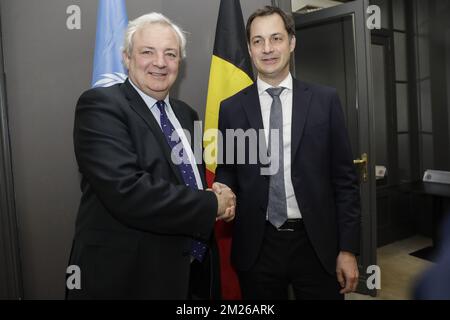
[{"x": 362, "y": 163}]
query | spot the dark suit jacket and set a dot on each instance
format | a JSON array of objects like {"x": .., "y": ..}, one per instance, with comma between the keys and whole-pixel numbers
[
  {"x": 434, "y": 283},
  {"x": 136, "y": 217},
  {"x": 322, "y": 172}
]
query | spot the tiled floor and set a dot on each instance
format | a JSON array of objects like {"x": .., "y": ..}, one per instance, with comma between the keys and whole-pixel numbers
[{"x": 398, "y": 269}]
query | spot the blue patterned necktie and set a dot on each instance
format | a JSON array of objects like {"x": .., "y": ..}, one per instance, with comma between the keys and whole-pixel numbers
[{"x": 198, "y": 248}]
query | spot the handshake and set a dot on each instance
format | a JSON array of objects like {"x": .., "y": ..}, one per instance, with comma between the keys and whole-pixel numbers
[{"x": 226, "y": 200}]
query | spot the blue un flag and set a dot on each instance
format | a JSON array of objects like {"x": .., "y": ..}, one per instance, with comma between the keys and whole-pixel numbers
[{"x": 111, "y": 24}]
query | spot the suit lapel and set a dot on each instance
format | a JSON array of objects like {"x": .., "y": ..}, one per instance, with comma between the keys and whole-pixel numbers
[
  {"x": 300, "y": 107},
  {"x": 183, "y": 117},
  {"x": 139, "y": 106},
  {"x": 252, "y": 109}
]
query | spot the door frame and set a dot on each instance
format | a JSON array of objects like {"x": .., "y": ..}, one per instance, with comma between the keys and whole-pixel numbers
[
  {"x": 10, "y": 263},
  {"x": 385, "y": 38},
  {"x": 364, "y": 104}
]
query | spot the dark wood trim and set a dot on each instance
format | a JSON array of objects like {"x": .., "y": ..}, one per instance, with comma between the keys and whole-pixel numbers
[
  {"x": 438, "y": 23},
  {"x": 391, "y": 15},
  {"x": 412, "y": 92},
  {"x": 10, "y": 267}
]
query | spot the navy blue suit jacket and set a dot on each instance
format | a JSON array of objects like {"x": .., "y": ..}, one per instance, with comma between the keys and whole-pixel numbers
[{"x": 322, "y": 171}]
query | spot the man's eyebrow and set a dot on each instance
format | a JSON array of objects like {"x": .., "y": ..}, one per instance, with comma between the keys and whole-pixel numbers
[
  {"x": 147, "y": 47},
  {"x": 273, "y": 34},
  {"x": 153, "y": 48}
]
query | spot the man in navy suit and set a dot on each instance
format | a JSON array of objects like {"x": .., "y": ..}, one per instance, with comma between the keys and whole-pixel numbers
[
  {"x": 145, "y": 220},
  {"x": 301, "y": 224}
]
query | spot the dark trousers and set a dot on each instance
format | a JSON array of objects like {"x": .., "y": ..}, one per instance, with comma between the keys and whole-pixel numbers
[
  {"x": 204, "y": 278},
  {"x": 287, "y": 257}
]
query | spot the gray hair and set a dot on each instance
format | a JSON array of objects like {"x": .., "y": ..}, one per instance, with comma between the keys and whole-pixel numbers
[{"x": 146, "y": 20}]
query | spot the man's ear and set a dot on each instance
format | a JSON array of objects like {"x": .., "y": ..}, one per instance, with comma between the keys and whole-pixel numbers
[
  {"x": 292, "y": 43},
  {"x": 126, "y": 60},
  {"x": 249, "y": 51}
]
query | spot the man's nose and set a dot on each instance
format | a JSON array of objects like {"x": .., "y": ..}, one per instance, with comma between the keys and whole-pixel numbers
[
  {"x": 267, "y": 46},
  {"x": 159, "y": 60}
]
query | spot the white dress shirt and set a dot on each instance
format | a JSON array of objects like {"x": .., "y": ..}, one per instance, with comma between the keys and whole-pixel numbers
[
  {"x": 151, "y": 104},
  {"x": 265, "y": 101}
]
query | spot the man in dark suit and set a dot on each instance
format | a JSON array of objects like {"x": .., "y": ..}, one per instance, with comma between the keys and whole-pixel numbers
[
  {"x": 299, "y": 225},
  {"x": 144, "y": 219}
]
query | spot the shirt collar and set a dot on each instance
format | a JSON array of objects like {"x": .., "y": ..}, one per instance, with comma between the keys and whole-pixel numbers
[
  {"x": 263, "y": 86},
  {"x": 150, "y": 101}
]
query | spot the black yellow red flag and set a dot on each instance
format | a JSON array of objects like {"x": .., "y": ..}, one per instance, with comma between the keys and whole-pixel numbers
[{"x": 231, "y": 71}]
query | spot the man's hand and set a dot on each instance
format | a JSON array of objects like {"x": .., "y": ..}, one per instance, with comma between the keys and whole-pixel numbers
[
  {"x": 347, "y": 271},
  {"x": 226, "y": 200}
]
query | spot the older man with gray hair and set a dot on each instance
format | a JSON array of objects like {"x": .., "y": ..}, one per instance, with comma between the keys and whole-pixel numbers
[{"x": 144, "y": 221}]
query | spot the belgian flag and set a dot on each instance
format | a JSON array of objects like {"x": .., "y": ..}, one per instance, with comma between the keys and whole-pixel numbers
[{"x": 230, "y": 72}]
